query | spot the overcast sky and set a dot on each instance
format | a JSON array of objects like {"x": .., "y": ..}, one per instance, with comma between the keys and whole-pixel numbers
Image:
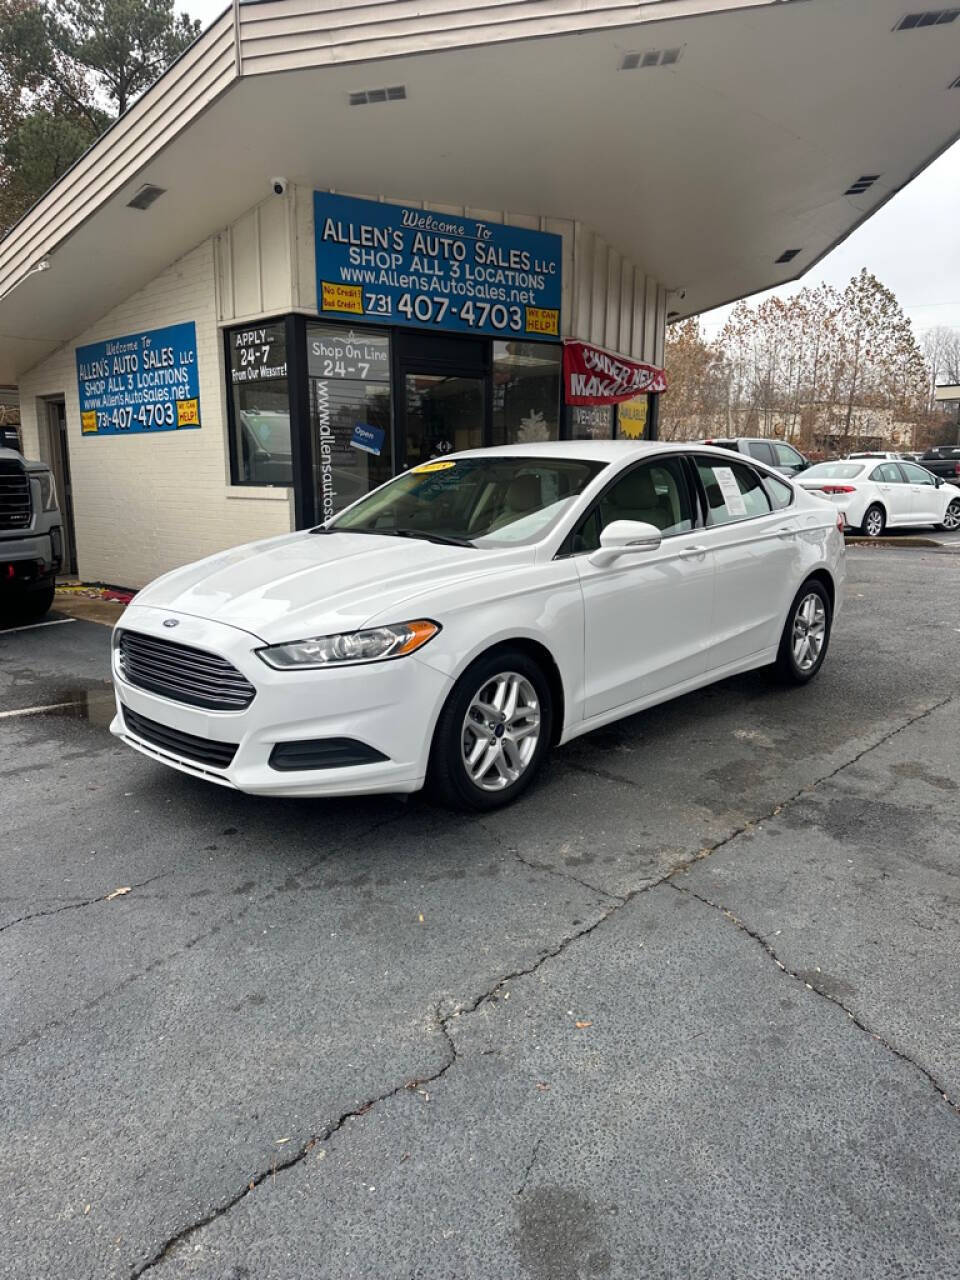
[{"x": 912, "y": 245}]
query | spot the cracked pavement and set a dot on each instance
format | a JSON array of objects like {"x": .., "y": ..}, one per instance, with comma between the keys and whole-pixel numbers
[{"x": 689, "y": 1009}]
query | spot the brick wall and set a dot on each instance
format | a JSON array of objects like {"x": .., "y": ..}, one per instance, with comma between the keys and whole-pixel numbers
[{"x": 145, "y": 503}]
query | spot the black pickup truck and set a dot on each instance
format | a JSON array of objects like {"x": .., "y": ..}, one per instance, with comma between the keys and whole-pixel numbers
[{"x": 943, "y": 461}]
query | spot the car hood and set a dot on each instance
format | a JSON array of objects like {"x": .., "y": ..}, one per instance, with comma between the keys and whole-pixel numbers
[{"x": 306, "y": 584}]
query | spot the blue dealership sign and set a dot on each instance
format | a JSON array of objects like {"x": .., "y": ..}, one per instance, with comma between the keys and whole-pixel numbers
[
  {"x": 140, "y": 382},
  {"x": 392, "y": 264}
]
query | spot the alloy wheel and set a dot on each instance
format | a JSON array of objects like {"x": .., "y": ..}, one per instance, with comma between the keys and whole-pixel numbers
[
  {"x": 874, "y": 523},
  {"x": 809, "y": 631},
  {"x": 500, "y": 731},
  {"x": 951, "y": 518}
]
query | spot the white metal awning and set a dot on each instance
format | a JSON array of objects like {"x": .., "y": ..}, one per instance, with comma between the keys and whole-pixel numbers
[{"x": 725, "y": 147}]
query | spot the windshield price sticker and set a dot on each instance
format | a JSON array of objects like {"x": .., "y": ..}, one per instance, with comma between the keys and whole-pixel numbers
[
  {"x": 141, "y": 382},
  {"x": 731, "y": 491},
  {"x": 392, "y": 264},
  {"x": 432, "y": 466}
]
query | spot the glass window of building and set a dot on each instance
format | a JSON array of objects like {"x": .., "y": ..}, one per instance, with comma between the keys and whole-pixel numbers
[
  {"x": 260, "y": 392},
  {"x": 349, "y": 372},
  {"x": 526, "y": 392},
  {"x": 632, "y": 418},
  {"x": 590, "y": 421}
]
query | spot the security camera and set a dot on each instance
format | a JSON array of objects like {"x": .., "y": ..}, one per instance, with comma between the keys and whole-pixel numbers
[{"x": 278, "y": 186}]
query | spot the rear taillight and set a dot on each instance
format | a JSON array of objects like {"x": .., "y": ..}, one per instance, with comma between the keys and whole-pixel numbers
[
  {"x": 838, "y": 488},
  {"x": 956, "y": 468}
]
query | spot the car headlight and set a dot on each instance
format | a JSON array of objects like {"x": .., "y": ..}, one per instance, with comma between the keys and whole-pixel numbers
[
  {"x": 374, "y": 645},
  {"x": 48, "y": 490}
]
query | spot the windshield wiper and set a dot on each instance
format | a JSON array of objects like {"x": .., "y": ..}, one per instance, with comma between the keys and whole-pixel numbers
[{"x": 424, "y": 534}]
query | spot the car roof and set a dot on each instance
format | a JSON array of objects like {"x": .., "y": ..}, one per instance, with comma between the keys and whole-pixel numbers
[{"x": 591, "y": 450}]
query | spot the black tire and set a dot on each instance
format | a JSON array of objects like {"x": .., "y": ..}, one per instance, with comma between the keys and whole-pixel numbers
[
  {"x": 951, "y": 521},
  {"x": 874, "y": 521},
  {"x": 788, "y": 668},
  {"x": 35, "y": 603},
  {"x": 449, "y": 782}
]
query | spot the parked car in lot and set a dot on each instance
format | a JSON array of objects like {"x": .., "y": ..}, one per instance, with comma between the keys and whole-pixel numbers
[
  {"x": 30, "y": 537},
  {"x": 782, "y": 457},
  {"x": 876, "y": 495},
  {"x": 943, "y": 461},
  {"x": 877, "y": 454},
  {"x": 454, "y": 624}
]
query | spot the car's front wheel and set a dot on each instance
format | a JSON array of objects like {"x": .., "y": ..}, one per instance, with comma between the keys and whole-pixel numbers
[
  {"x": 493, "y": 732},
  {"x": 34, "y": 603},
  {"x": 951, "y": 517},
  {"x": 806, "y": 634}
]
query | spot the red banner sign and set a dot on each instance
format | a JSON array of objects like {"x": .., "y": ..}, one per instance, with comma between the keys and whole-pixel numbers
[{"x": 594, "y": 376}]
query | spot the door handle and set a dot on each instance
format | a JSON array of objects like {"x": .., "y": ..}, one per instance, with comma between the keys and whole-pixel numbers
[
  {"x": 690, "y": 552},
  {"x": 786, "y": 531}
]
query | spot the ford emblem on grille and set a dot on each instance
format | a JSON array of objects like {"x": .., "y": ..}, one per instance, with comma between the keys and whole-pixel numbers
[{"x": 171, "y": 622}]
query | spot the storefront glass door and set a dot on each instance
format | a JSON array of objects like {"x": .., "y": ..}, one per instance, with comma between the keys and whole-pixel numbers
[{"x": 443, "y": 413}]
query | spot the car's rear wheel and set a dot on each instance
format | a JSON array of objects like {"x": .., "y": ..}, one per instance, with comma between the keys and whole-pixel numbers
[
  {"x": 493, "y": 732},
  {"x": 874, "y": 522},
  {"x": 951, "y": 517},
  {"x": 806, "y": 634}
]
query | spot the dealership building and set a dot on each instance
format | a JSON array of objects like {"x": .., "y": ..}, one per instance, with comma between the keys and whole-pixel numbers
[{"x": 333, "y": 241}]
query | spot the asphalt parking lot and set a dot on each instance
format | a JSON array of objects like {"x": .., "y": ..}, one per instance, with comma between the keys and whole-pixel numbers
[{"x": 687, "y": 1010}]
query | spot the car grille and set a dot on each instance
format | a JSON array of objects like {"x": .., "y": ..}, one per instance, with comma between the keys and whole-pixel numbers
[
  {"x": 182, "y": 673},
  {"x": 15, "y": 507},
  {"x": 187, "y": 745}
]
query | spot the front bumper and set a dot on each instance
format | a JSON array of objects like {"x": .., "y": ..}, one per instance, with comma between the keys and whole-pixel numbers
[
  {"x": 389, "y": 706},
  {"x": 29, "y": 561}
]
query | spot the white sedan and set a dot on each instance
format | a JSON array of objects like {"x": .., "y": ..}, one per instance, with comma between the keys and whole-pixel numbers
[
  {"x": 451, "y": 626},
  {"x": 873, "y": 495}
]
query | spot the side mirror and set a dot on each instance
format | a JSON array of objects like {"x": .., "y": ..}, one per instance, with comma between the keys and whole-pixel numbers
[
  {"x": 625, "y": 537},
  {"x": 938, "y": 481}
]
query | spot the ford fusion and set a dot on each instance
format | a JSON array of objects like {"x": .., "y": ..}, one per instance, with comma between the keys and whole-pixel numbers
[{"x": 449, "y": 628}]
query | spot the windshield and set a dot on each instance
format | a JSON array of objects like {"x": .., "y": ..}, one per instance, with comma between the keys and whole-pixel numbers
[
  {"x": 479, "y": 501},
  {"x": 835, "y": 470}
]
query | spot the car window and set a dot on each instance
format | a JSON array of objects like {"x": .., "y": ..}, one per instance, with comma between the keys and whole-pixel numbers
[
  {"x": 734, "y": 492},
  {"x": 833, "y": 471},
  {"x": 762, "y": 451},
  {"x": 917, "y": 475},
  {"x": 655, "y": 493},
  {"x": 888, "y": 473},
  {"x": 483, "y": 499},
  {"x": 787, "y": 457},
  {"x": 778, "y": 491}
]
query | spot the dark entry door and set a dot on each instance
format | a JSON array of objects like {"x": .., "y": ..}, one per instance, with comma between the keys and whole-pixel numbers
[
  {"x": 443, "y": 400},
  {"x": 58, "y": 459}
]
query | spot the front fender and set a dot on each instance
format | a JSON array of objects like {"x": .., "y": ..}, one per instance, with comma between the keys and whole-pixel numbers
[{"x": 541, "y": 603}]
